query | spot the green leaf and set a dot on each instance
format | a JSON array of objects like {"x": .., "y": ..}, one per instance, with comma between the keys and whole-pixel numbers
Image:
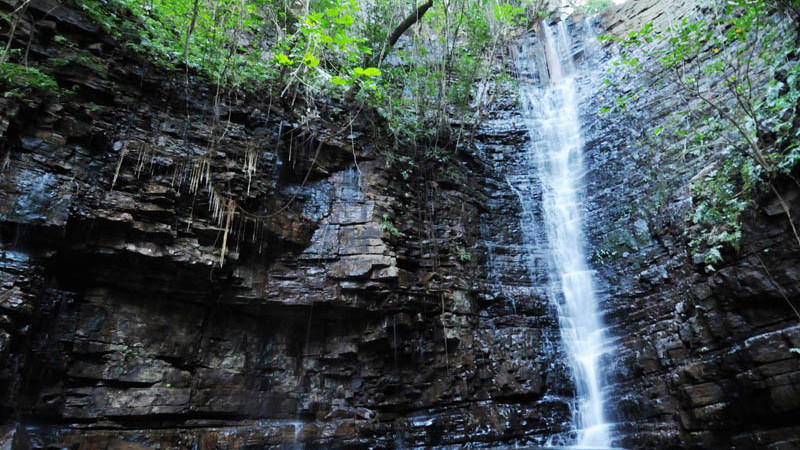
[
  {"x": 346, "y": 20},
  {"x": 336, "y": 79},
  {"x": 282, "y": 59},
  {"x": 372, "y": 72},
  {"x": 310, "y": 60}
]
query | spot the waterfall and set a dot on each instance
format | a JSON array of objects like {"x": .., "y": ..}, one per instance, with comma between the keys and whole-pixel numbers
[{"x": 555, "y": 158}]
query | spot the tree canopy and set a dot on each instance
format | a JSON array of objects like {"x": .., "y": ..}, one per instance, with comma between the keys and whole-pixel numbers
[{"x": 417, "y": 62}]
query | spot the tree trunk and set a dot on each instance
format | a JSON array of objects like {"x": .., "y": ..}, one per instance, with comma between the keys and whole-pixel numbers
[{"x": 190, "y": 30}]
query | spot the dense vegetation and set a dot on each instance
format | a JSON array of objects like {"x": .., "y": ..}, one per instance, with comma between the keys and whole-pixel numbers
[{"x": 419, "y": 64}]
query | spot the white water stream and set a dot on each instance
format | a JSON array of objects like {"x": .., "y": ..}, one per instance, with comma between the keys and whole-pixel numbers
[{"x": 550, "y": 110}]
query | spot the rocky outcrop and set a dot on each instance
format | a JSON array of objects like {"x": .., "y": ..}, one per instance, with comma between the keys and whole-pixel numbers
[
  {"x": 353, "y": 307},
  {"x": 703, "y": 358},
  {"x": 364, "y": 298}
]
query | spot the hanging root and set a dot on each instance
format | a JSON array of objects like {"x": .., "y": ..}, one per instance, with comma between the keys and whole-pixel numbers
[
  {"x": 200, "y": 175},
  {"x": 231, "y": 209},
  {"x": 143, "y": 157},
  {"x": 122, "y": 153},
  {"x": 444, "y": 336},
  {"x": 250, "y": 164}
]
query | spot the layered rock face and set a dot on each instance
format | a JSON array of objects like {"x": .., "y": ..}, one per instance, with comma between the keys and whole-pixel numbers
[
  {"x": 355, "y": 306},
  {"x": 362, "y": 302},
  {"x": 703, "y": 358}
]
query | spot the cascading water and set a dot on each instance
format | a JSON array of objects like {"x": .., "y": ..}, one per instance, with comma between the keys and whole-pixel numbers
[{"x": 550, "y": 110}]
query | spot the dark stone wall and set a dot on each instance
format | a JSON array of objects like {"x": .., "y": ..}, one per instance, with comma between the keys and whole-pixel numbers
[
  {"x": 702, "y": 358},
  {"x": 355, "y": 307},
  {"x": 382, "y": 304}
]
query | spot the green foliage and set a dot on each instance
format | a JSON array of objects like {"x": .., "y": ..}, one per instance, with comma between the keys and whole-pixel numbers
[
  {"x": 22, "y": 82},
  {"x": 387, "y": 225},
  {"x": 719, "y": 206},
  {"x": 438, "y": 71},
  {"x": 437, "y": 154},
  {"x": 724, "y": 59},
  {"x": 105, "y": 14},
  {"x": 777, "y": 111},
  {"x": 331, "y": 47},
  {"x": 326, "y": 46},
  {"x": 507, "y": 14},
  {"x": 406, "y": 164},
  {"x": 225, "y": 37}
]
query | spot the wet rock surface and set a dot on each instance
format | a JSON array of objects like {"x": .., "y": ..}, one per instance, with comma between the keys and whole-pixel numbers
[
  {"x": 354, "y": 308},
  {"x": 361, "y": 306},
  {"x": 703, "y": 358}
]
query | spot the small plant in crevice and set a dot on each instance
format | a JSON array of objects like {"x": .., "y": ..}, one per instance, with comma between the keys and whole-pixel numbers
[
  {"x": 721, "y": 198},
  {"x": 387, "y": 225},
  {"x": 405, "y": 164}
]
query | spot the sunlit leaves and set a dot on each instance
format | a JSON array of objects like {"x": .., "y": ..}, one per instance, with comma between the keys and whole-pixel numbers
[
  {"x": 368, "y": 72},
  {"x": 337, "y": 80},
  {"x": 507, "y": 13},
  {"x": 310, "y": 60},
  {"x": 326, "y": 38},
  {"x": 282, "y": 59}
]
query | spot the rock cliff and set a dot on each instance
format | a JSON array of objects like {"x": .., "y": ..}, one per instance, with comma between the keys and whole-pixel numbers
[
  {"x": 703, "y": 357},
  {"x": 354, "y": 307},
  {"x": 372, "y": 294}
]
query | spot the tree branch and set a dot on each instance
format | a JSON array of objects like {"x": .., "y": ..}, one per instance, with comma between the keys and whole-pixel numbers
[
  {"x": 398, "y": 32},
  {"x": 189, "y": 31}
]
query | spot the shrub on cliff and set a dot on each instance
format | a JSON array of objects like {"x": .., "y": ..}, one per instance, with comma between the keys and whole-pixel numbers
[{"x": 739, "y": 60}]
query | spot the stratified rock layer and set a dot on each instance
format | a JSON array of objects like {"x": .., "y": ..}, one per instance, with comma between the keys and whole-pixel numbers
[
  {"x": 703, "y": 358},
  {"x": 353, "y": 308},
  {"x": 363, "y": 301}
]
